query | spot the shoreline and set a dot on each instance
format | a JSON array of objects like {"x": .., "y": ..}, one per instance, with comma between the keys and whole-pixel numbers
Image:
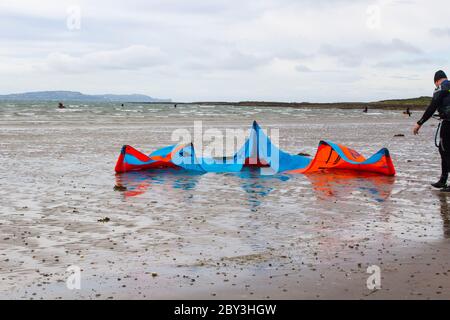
[
  {"x": 332, "y": 105},
  {"x": 420, "y": 103}
]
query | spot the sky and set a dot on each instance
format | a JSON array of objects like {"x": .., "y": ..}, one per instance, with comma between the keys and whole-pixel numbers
[{"x": 226, "y": 50}]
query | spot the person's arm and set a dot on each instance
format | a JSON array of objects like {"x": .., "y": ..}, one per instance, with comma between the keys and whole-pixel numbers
[{"x": 434, "y": 104}]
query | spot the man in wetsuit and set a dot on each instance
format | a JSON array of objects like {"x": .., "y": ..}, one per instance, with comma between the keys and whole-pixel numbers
[{"x": 441, "y": 104}]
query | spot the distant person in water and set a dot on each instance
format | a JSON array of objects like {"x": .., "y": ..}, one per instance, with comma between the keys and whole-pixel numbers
[
  {"x": 175, "y": 105},
  {"x": 408, "y": 112},
  {"x": 122, "y": 104},
  {"x": 61, "y": 105},
  {"x": 441, "y": 104},
  {"x": 365, "y": 110}
]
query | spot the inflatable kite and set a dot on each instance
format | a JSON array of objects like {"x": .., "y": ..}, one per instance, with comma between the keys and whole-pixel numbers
[{"x": 257, "y": 151}]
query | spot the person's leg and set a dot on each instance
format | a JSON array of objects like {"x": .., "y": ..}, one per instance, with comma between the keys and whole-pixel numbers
[{"x": 444, "y": 151}]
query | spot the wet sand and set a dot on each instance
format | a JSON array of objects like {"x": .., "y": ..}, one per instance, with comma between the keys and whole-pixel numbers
[{"x": 215, "y": 236}]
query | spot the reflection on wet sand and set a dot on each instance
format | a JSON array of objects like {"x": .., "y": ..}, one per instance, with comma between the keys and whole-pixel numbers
[
  {"x": 139, "y": 182},
  {"x": 173, "y": 181},
  {"x": 341, "y": 184},
  {"x": 327, "y": 186},
  {"x": 443, "y": 201},
  {"x": 257, "y": 186}
]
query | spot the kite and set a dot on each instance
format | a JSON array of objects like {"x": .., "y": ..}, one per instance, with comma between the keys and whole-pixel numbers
[{"x": 257, "y": 151}]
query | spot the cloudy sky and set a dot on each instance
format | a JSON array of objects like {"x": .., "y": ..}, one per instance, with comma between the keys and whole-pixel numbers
[{"x": 191, "y": 50}]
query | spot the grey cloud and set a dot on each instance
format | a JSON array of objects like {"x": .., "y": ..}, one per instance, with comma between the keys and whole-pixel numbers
[
  {"x": 292, "y": 54},
  {"x": 231, "y": 61},
  {"x": 406, "y": 77},
  {"x": 440, "y": 32},
  {"x": 26, "y": 27},
  {"x": 302, "y": 68},
  {"x": 346, "y": 56},
  {"x": 239, "y": 60},
  {"x": 396, "y": 45},
  {"x": 355, "y": 56},
  {"x": 403, "y": 63}
]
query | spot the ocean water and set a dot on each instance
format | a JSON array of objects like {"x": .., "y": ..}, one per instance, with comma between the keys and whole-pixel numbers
[{"x": 58, "y": 180}]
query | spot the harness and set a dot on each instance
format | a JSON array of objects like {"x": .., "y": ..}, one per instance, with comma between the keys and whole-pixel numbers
[
  {"x": 438, "y": 130},
  {"x": 438, "y": 117}
]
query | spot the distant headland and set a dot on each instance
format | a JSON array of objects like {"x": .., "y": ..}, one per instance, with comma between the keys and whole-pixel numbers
[{"x": 78, "y": 96}]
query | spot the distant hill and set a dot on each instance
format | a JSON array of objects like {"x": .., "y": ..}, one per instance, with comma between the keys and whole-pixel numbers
[
  {"x": 419, "y": 103},
  {"x": 413, "y": 101},
  {"x": 78, "y": 96}
]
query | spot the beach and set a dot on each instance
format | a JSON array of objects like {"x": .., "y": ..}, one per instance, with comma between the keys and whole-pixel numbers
[{"x": 176, "y": 235}]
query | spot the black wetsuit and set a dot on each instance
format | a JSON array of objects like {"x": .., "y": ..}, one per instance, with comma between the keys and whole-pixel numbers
[{"x": 441, "y": 104}]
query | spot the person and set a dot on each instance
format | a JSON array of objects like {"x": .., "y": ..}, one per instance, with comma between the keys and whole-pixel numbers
[
  {"x": 366, "y": 109},
  {"x": 408, "y": 112},
  {"x": 441, "y": 104},
  {"x": 61, "y": 105}
]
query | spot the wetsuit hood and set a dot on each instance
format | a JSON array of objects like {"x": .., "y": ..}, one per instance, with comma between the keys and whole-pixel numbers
[{"x": 439, "y": 75}]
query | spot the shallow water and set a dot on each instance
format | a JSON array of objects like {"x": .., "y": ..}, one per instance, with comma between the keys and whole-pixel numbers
[{"x": 58, "y": 180}]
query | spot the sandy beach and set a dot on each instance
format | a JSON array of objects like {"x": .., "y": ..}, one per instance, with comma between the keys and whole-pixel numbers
[{"x": 215, "y": 236}]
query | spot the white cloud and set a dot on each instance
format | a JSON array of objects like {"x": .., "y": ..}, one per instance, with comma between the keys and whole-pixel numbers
[{"x": 130, "y": 58}]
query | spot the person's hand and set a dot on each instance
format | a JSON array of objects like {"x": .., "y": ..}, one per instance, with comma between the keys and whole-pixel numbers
[{"x": 416, "y": 129}]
